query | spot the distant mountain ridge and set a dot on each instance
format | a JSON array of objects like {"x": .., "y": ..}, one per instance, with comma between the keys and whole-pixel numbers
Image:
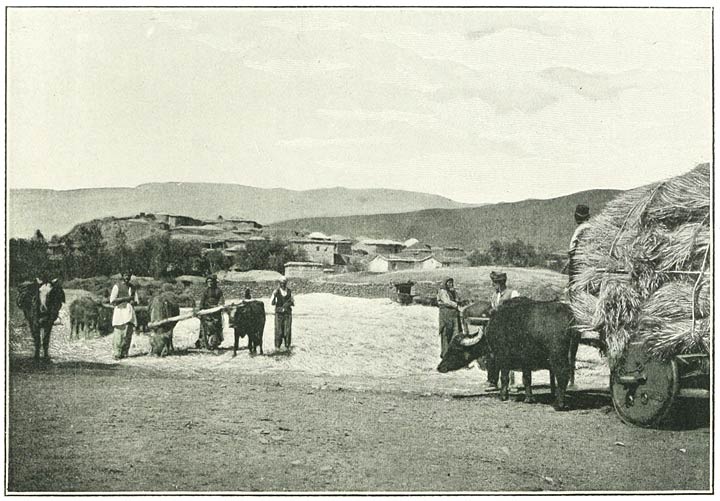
[
  {"x": 546, "y": 224},
  {"x": 55, "y": 212}
]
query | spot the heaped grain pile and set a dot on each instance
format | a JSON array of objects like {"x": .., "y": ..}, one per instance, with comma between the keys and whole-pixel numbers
[{"x": 645, "y": 269}]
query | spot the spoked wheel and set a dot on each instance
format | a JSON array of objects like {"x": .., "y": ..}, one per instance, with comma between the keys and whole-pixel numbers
[{"x": 643, "y": 389}]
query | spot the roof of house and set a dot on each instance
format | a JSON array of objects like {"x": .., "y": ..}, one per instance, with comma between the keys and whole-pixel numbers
[
  {"x": 318, "y": 235},
  {"x": 307, "y": 240},
  {"x": 235, "y": 248},
  {"x": 418, "y": 246},
  {"x": 404, "y": 259},
  {"x": 303, "y": 264},
  {"x": 203, "y": 228},
  {"x": 381, "y": 242}
]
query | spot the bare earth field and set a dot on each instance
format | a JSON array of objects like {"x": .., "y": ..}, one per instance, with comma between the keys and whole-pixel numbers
[{"x": 355, "y": 406}]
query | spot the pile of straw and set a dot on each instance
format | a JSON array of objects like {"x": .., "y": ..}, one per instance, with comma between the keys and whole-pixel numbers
[{"x": 644, "y": 269}]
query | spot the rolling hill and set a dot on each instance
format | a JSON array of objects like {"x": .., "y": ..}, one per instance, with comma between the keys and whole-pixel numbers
[
  {"x": 547, "y": 224},
  {"x": 56, "y": 212}
]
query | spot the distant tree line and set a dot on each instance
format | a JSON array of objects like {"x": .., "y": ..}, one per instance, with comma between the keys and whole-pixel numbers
[
  {"x": 159, "y": 256},
  {"x": 513, "y": 253}
]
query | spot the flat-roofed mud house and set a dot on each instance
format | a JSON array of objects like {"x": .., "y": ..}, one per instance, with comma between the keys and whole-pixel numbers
[
  {"x": 175, "y": 220},
  {"x": 382, "y": 246},
  {"x": 236, "y": 225},
  {"x": 384, "y": 263},
  {"x": 296, "y": 269},
  {"x": 320, "y": 248}
]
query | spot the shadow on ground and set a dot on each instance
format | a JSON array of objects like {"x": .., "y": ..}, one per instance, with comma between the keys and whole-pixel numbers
[
  {"x": 576, "y": 400},
  {"x": 688, "y": 414},
  {"x": 28, "y": 364}
]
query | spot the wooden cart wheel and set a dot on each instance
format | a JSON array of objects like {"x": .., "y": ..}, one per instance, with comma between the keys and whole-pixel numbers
[{"x": 643, "y": 389}]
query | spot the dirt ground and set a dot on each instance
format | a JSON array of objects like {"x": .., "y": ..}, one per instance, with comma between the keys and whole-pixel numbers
[{"x": 356, "y": 406}]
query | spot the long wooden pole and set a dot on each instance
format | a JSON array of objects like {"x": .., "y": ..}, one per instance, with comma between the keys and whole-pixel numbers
[{"x": 192, "y": 314}]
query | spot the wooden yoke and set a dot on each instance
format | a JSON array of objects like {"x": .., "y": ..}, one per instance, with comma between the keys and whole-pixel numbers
[{"x": 193, "y": 314}]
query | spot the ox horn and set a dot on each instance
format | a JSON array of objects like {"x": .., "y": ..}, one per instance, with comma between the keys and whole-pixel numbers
[{"x": 471, "y": 339}]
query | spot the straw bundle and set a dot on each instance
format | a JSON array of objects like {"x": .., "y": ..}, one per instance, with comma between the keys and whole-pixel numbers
[{"x": 644, "y": 270}]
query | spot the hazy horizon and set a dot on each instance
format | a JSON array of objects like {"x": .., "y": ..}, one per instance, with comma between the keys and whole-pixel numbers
[
  {"x": 475, "y": 105},
  {"x": 480, "y": 202}
]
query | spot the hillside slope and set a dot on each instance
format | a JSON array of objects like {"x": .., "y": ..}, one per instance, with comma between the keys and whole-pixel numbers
[
  {"x": 56, "y": 212},
  {"x": 547, "y": 224}
]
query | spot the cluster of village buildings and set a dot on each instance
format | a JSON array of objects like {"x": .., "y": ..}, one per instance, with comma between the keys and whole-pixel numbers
[{"x": 324, "y": 253}]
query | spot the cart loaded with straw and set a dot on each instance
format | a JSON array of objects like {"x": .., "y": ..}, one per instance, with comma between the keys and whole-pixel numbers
[{"x": 644, "y": 286}]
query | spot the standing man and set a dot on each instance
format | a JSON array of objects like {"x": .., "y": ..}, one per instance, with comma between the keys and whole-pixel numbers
[
  {"x": 449, "y": 315},
  {"x": 582, "y": 215},
  {"x": 502, "y": 294},
  {"x": 123, "y": 297},
  {"x": 211, "y": 326},
  {"x": 283, "y": 301}
]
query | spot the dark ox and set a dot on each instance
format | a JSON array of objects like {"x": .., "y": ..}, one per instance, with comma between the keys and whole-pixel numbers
[
  {"x": 161, "y": 307},
  {"x": 522, "y": 335},
  {"x": 249, "y": 320},
  {"x": 142, "y": 313},
  {"x": 87, "y": 315},
  {"x": 41, "y": 304}
]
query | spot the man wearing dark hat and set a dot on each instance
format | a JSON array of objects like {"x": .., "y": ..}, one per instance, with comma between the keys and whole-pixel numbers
[
  {"x": 282, "y": 300},
  {"x": 449, "y": 317},
  {"x": 582, "y": 215},
  {"x": 211, "y": 327},
  {"x": 502, "y": 294}
]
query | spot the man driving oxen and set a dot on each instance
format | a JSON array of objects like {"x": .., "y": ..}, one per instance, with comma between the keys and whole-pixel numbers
[
  {"x": 211, "y": 326},
  {"x": 123, "y": 297}
]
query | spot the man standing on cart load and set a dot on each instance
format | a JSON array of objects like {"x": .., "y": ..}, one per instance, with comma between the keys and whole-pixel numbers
[
  {"x": 283, "y": 301},
  {"x": 582, "y": 215},
  {"x": 211, "y": 326},
  {"x": 123, "y": 297}
]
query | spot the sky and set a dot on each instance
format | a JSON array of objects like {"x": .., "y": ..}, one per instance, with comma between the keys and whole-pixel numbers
[{"x": 477, "y": 105}]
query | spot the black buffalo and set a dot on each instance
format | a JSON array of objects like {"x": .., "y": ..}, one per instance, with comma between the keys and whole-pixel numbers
[
  {"x": 522, "y": 335},
  {"x": 41, "y": 304},
  {"x": 249, "y": 320},
  {"x": 162, "y": 306}
]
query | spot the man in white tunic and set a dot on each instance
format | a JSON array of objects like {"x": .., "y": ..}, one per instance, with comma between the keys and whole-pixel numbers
[{"x": 123, "y": 297}]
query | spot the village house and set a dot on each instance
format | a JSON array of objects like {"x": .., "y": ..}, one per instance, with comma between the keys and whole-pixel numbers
[
  {"x": 296, "y": 269},
  {"x": 384, "y": 263},
  {"x": 450, "y": 256},
  {"x": 417, "y": 249},
  {"x": 327, "y": 250},
  {"x": 236, "y": 225},
  {"x": 174, "y": 220},
  {"x": 212, "y": 237},
  {"x": 238, "y": 243},
  {"x": 379, "y": 246}
]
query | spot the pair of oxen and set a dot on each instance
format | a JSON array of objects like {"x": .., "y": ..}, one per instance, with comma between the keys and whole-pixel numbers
[{"x": 522, "y": 334}]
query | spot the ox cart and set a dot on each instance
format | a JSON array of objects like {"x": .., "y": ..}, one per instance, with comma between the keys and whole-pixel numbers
[{"x": 643, "y": 387}]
